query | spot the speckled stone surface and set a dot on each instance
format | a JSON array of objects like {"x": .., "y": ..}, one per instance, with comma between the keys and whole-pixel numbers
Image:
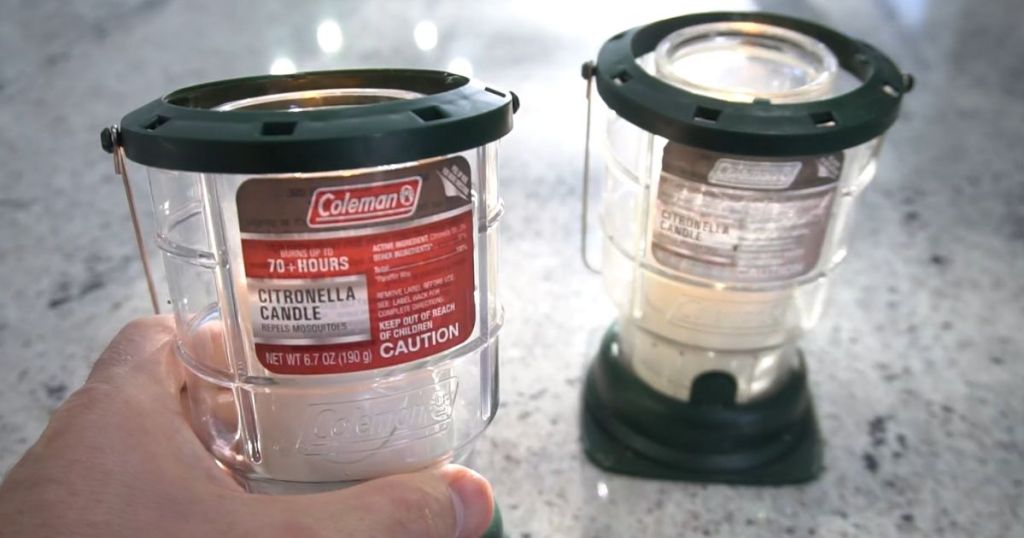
[{"x": 916, "y": 367}]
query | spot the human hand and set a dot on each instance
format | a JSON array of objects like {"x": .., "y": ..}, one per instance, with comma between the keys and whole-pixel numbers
[{"x": 119, "y": 459}]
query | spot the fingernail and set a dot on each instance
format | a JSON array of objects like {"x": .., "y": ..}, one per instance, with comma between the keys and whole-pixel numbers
[{"x": 472, "y": 499}]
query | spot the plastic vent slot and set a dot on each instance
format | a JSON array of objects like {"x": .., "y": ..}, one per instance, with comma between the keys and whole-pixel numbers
[
  {"x": 156, "y": 122},
  {"x": 430, "y": 113},
  {"x": 705, "y": 114},
  {"x": 278, "y": 128},
  {"x": 823, "y": 119}
]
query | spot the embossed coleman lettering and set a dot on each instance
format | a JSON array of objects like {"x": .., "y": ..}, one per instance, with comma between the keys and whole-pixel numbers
[{"x": 330, "y": 427}]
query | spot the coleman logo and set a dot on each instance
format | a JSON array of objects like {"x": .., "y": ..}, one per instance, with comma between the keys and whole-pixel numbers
[
  {"x": 349, "y": 430},
  {"x": 754, "y": 174},
  {"x": 372, "y": 202}
]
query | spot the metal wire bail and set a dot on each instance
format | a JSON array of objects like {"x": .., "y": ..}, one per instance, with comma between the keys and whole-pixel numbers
[{"x": 111, "y": 140}]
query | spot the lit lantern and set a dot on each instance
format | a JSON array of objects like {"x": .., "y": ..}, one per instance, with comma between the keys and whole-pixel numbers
[{"x": 737, "y": 144}]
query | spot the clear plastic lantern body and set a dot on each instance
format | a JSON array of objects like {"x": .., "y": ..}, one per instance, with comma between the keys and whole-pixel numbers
[
  {"x": 717, "y": 262},
  {"x": 329, "y": 333}
]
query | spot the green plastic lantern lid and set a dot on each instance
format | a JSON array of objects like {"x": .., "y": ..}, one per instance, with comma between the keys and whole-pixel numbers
[
  {"x": 758, "y": 126},
  {"x": 314, "y": 122}
]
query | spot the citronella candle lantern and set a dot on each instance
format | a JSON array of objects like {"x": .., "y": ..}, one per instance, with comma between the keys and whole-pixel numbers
[
  {"x": 330, "y": 244},
  {"x": 736, "y": 147}
]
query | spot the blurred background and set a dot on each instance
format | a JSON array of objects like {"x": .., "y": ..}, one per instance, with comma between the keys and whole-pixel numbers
[{"x": 916, "y": 367}]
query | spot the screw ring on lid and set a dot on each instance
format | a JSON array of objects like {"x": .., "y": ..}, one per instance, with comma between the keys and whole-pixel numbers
[{"x": 758, "y": 128}]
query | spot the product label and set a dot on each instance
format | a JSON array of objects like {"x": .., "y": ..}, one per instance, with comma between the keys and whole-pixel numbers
[
  {"x": 740, "y": 219},
  {"x": 358, "y": 272}
]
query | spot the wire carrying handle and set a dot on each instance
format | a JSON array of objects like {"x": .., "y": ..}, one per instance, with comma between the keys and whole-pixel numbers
[
  {"x": 110, "y": 139},
  {"x": 588, "y": 71}
]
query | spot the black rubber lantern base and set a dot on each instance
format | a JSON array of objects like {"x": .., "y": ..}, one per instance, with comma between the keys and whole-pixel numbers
[{"x": 629, "y": 428}]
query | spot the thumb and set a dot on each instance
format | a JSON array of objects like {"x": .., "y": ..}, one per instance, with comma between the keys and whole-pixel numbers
[
  {"x": 446, "y": 502},
  {"x": 140, "y": 356}
]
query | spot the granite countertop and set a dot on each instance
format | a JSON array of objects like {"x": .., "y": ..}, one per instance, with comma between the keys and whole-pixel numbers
[{"x": 915, "y": 367}]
